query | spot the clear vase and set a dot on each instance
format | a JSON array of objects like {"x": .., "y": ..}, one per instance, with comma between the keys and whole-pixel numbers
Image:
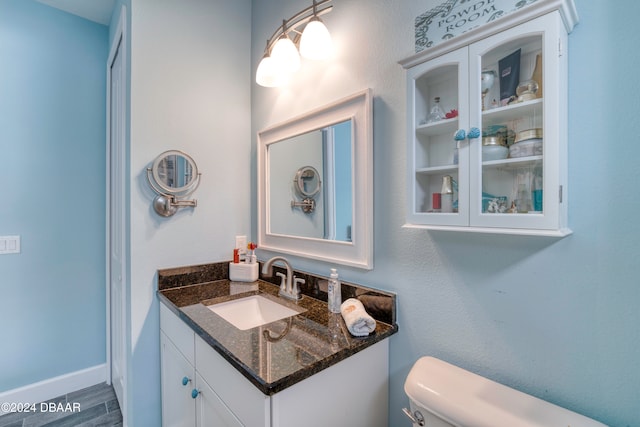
[{"x": 436, "y": 113}]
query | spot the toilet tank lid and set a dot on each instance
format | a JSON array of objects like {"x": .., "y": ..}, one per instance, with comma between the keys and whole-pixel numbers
[{"x": 465, "y": 399}]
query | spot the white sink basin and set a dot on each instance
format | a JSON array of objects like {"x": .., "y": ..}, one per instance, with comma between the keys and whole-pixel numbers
[{"x": 249, "y": 312}]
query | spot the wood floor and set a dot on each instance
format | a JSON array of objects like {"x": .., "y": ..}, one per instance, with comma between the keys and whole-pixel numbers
[{"x": 94, "y": 406}]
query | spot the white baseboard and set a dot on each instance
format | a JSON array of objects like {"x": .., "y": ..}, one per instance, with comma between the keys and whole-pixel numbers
[{"x": 57, "y": 386}]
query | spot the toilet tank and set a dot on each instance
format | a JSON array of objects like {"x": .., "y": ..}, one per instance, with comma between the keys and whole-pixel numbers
[{"x": 445, "y": 395}]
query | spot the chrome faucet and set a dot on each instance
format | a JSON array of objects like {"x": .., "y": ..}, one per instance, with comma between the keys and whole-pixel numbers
[{"x": 289, "y": 284}]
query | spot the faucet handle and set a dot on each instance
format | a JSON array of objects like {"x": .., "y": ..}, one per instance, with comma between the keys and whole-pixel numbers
[
  {"x": 283, "y": 280},
  {"x": 296, "y": 288}
]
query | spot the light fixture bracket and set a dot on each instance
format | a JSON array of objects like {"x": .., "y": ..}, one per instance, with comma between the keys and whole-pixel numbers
[{"x": 318, "y": 8}]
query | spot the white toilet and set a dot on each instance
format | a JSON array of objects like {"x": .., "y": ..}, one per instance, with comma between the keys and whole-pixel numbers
[{"x": 443, "y": 395}]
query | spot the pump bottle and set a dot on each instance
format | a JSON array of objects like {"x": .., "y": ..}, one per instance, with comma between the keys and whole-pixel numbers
[{"x": 335, "y": 292}]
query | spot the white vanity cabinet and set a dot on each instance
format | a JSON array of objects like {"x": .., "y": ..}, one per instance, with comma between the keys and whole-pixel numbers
[
  {"x": 524, "y": 193},
  {"x": 352, "y": 392},
  {"x": 187, "y": 398},
  {"x": 178, "y": 374}
]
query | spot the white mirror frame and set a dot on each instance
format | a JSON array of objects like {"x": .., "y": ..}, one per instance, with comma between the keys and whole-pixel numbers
[{"x": 359, "y": 251}]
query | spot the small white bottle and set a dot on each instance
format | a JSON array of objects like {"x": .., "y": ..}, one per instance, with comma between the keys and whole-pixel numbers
[{"x": 335, "y": 292}]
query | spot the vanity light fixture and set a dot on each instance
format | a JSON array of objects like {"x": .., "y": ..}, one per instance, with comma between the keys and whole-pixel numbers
[{"x": 281, "y": 57}]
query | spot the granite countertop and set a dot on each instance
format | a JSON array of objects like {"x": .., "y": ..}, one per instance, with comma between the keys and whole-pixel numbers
[{"x": 279, "y": 354}]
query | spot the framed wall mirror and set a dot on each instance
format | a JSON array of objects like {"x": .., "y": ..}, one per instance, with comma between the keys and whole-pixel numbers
[{"x": 336, "y": 142}]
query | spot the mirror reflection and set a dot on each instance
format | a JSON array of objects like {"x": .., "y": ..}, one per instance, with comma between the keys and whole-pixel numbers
[
  {"x": 329, "y": 151},
  {"x": 174, "y": 171},
  {"x": 307, "y": 181}
]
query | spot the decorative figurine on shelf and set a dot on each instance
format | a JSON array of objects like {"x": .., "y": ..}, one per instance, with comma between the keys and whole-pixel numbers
[
  {"x": 497, "y": 205},
  {"x": 436, "y": 113},
  {"x": 451, "y": 114}
]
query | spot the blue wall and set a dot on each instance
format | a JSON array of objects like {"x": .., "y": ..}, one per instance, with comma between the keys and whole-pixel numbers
[
  {"x": 52, "y": 130},
  {"x": 558, "y": 319},
  {"x": 190, "y": 90}
]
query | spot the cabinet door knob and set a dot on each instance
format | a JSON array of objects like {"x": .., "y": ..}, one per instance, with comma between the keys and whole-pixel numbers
[
  {"x": 460, "y": 135},
  {"x": 473, "y": 133},
  {"x": 194, "y": 393},
  {"x": 186, "y": 380}
]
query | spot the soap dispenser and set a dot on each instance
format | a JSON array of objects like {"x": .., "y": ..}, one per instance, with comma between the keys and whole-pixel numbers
[{"x": 335, "y": 292}]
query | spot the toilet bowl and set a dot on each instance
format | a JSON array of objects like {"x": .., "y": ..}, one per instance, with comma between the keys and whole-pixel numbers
[{"x": 444, "y": 395}]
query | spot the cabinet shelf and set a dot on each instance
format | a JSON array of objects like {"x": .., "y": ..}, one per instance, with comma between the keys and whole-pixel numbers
[
  {"x": 512, "y": 112},
  {"x": 439, "y": 128},
  {"x": 511, "y": 164},
  {"x": 559, "y": 233},
  {"x": 437, "y": 170}
]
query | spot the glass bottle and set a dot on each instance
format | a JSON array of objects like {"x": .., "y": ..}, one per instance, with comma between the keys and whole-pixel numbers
[
  {"x": 455, "y": 152},
  {"x": 536, "y": 193},
  {"x": 436, "y": 113},
  {"x": 446, "y": 194}
]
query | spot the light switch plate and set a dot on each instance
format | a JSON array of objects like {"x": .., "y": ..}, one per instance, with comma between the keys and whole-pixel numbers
[
  {"x": 241, "y": 243},
  {"x": 9, "y": 245}
]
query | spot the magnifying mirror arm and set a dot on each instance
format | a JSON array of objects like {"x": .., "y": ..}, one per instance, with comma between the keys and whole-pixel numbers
[
  {"x": 167, "y": 204},
  {"x": 307, "y": 205},
  {"x": 184, "y": 203}
]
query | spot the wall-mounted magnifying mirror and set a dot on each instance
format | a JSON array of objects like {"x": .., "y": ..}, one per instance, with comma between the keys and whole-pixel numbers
[
  {"x": 334, "y": 222},
  {"x": 173, "y": 176},
  {"x": 307, "y": 181},
  {"x": 306, "y": 184}
]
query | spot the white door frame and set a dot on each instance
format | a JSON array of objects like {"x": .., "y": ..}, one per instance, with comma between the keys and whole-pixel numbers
[{"x": 118, "y": 46}]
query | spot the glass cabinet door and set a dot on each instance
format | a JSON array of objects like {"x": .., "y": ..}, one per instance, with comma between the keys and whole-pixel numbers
[
  {"x": 438, "y": 190},
  {"x": 514, "y": 164}
]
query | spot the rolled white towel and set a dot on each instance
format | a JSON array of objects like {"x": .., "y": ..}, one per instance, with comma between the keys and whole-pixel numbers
[{"x": 358, "y": 321}]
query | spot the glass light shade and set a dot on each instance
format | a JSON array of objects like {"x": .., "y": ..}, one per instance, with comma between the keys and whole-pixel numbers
[
  {"x": 269, "y": 74},
  {"x": 286, "y": 55},
  {"x": 315, "y": 42}
]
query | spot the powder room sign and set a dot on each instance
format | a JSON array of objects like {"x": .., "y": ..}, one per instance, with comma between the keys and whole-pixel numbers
[{"x": 455, "y": 17}]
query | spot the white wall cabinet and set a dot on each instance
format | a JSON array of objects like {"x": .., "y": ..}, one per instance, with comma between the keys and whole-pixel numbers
[
  {"x": 514, "y": 195},
  {"x": 351, "y": 392}
]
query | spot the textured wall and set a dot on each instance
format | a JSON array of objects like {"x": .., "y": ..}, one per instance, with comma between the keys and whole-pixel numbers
[
  {"x": 190, "y": 90},
  {"x": 557, "y": 319}
]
